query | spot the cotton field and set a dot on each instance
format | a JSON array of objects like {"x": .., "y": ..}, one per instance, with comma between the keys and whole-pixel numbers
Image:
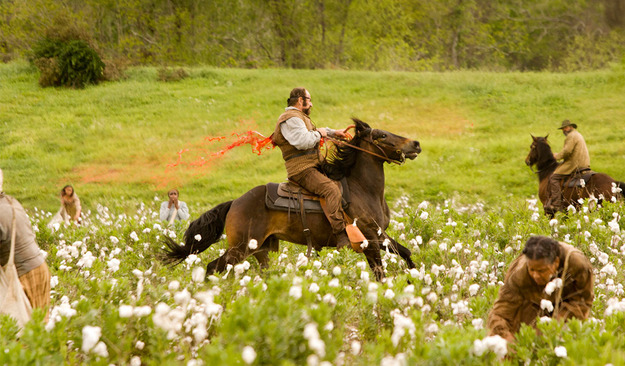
[{"x": 113, "y": 302}]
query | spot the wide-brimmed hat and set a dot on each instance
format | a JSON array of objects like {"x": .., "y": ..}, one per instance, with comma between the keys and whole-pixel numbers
[{"x": 566, "y": 123}]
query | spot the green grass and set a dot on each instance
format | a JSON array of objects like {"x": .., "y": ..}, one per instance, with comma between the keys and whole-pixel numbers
[{"x": 115, "y": 140}]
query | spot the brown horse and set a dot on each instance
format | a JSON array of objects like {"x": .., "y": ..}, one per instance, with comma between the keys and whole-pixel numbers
[
  {"x": 246, "y": 218},
  {"x": 600, "y": 185}
]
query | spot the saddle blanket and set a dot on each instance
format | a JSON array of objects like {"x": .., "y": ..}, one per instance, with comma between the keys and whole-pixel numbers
[{"x": 285, "y": 197}]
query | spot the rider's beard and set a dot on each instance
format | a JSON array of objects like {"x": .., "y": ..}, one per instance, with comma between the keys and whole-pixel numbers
[{"x": 307, "y": 111}]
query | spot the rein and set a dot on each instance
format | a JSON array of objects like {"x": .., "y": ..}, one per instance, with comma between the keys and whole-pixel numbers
[{"x": 385, "y": 157}]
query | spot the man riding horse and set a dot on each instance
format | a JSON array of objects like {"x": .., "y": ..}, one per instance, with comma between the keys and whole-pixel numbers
[
  {"x": 575, "y": 159},
  {"x": 298, "y": 139}
]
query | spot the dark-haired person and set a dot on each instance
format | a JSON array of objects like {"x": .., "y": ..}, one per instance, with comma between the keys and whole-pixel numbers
[
  {"x": 173, "y": 209},
  {"x": 31, "y": 267},
  {"x": 574, "y": 156},
  {"x": 70, "y": 207},
  {"x": 524, "y": 288},
  {"x": 298, "y": 139}
]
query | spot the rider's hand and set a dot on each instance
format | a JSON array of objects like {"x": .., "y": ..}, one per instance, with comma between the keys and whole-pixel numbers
[
  {"x": 340, "y": 133},
  {"x": 323, "y": 131}
]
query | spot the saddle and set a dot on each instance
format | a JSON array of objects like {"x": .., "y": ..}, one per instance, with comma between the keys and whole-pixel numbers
[
  {"x": 576, "y": 178},
  {"x": 286, "y": 196}
]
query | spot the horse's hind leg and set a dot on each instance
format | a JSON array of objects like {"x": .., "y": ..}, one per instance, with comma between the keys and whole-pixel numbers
[
  {"x": 271, "y": 244},
  {"x": 233, "y": 255}
]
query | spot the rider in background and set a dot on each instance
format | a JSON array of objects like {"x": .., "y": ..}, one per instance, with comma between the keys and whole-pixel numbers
[
  {"x": 298, "y": 139},
  {"x": 575, "y": 158}
]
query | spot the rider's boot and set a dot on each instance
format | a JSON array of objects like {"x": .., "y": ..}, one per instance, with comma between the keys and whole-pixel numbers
[{"x": 342, "y": 240}]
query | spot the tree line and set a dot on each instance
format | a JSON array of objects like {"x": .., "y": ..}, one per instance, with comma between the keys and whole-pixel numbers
[{"x": 412, "y": 35}]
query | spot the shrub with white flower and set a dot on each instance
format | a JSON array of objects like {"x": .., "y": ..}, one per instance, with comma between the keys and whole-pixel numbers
[
  {"x": 560, "y": 351},
  {"x": 495, "y": 344}
]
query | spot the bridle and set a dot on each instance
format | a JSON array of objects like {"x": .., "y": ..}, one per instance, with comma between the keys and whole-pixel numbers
[{"x": 374, "y": 143}]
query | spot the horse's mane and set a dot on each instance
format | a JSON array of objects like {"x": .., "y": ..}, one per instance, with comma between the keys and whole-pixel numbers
[
  {"x": 546, "y": 162},
  {"x": 340, "y": 161}
]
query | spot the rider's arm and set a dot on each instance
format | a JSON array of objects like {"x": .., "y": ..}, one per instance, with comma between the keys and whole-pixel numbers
[
  {"x": 567, "y": 150},
  {"x": 295, "y": 132}
]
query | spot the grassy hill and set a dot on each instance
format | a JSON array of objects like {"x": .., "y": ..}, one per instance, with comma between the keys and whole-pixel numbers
[{"x": 115, "y": 140}]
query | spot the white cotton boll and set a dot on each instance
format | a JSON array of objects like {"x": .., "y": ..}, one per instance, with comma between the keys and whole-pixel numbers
[
  {"x": 314, "y": 288},
  {"x": 86, "y": 261},
  {"x": 135, "y": 361},
  {"x": 125, "y": 311},
  {"x": 329, "y": 326},
  {"x": 198, "y": 274},
  {"x": 141, "y": 311},
  {"x": 603, "y": 258},
  {"x": 173, "y": 285},
  {"x": 497, "y": 345},
  {"x": 329, "y": 299},
  {"x": 295, "y": 292},
  {"x": 560, "y": 351},
  {"x": 245, "y": 280},
  {"x": 553, "y": 222},
  {"x": 546, "y": 305},
  {"x": 182, "y": 297},
  {"x": 90, "y": 337},
  {"x": 139, "y": 345},
  {"x": 248, "y": 354},
  {"x": 409, "y": 289},
  {"x": 355, "y": 347},
  {"x": 389, "y": 294},
  {"x": 253, "y": 244},
  {"x": 477, "y": 323},
  {"x": 317, "y": 264},
  {"x": 113, "y": 264},
  {"x": 432, "y": 297},
  {"x": 197, "y": 237},
  {"x": 609, "y": 270},
  {"x": 544, "y": 319},
  {"x": 302, "y": 260},
  {"x": 479, "y": 348},
  {"x": 54, "y": 281},
  {"x": 431, "y": 328},
  {"x": 336, "y": 270},
  {"x": 334, "y": 283},
  {"x": 134, "y": 236},
  {"x": 473, "y": 289},
  {"x": 364, "y": 275},
  {"x": 361, "y": 265},
  {"x": 100, "y": 350},
  {"x": 113, "y": 240},
  {"x": 137, "y": 273},
  {"x": 424, "y": 215}
]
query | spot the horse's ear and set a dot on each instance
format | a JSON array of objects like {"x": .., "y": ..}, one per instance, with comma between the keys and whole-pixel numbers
[
  {"x": 360, "y": 125},
  {"x": 533, "y": 138},
  {"x": 546, "y": 136}
]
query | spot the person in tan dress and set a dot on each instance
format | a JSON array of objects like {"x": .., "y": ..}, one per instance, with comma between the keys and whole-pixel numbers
[{"x": 528, "y": 283}]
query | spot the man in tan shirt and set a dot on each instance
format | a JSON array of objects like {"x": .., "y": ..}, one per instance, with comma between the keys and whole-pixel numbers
[
  {"x": 574, "y": 156},
  {"x": 525, "y": 296}
]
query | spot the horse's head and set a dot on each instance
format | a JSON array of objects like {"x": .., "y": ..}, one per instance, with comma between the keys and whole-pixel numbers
[
  {"x": 386, "y": 144},
  {"x": 539, "y": 151}
]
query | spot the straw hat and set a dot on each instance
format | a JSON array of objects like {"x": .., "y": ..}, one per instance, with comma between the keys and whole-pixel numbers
[{"x": 566, "y": 123}]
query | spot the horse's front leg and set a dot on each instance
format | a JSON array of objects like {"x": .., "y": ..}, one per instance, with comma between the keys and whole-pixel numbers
[{"x": 402, "y": 251}]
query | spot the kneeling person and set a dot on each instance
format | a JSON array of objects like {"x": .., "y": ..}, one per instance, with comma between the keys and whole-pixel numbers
[{"x": 519, "y": 300}]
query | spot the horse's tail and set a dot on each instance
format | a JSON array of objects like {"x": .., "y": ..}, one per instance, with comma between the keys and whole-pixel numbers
[{"x": 209, "y": 226}]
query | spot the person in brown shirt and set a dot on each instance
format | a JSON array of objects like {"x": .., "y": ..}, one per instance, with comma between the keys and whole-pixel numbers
[
  {"x": 520, "y": 299},
  {"x": 298, "y": 139},
  {"x": 574, "y": 156}
]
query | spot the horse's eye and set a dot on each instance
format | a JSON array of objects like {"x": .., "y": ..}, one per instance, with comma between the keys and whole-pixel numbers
[{"x": 383, "y": 136}]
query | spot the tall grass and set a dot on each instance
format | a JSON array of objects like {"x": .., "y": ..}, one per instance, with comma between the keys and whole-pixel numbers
[{"x": 115, "y": 140}]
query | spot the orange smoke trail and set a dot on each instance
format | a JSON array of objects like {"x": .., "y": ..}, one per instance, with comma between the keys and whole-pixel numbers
[{"x": 199, "y": 154}]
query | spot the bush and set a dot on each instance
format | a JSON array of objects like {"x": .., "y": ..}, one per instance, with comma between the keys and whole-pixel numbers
[{"x": 70, "y": 63}]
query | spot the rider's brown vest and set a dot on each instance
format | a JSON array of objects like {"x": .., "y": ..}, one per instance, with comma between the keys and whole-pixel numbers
[{"x": 296, "y": 161}]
